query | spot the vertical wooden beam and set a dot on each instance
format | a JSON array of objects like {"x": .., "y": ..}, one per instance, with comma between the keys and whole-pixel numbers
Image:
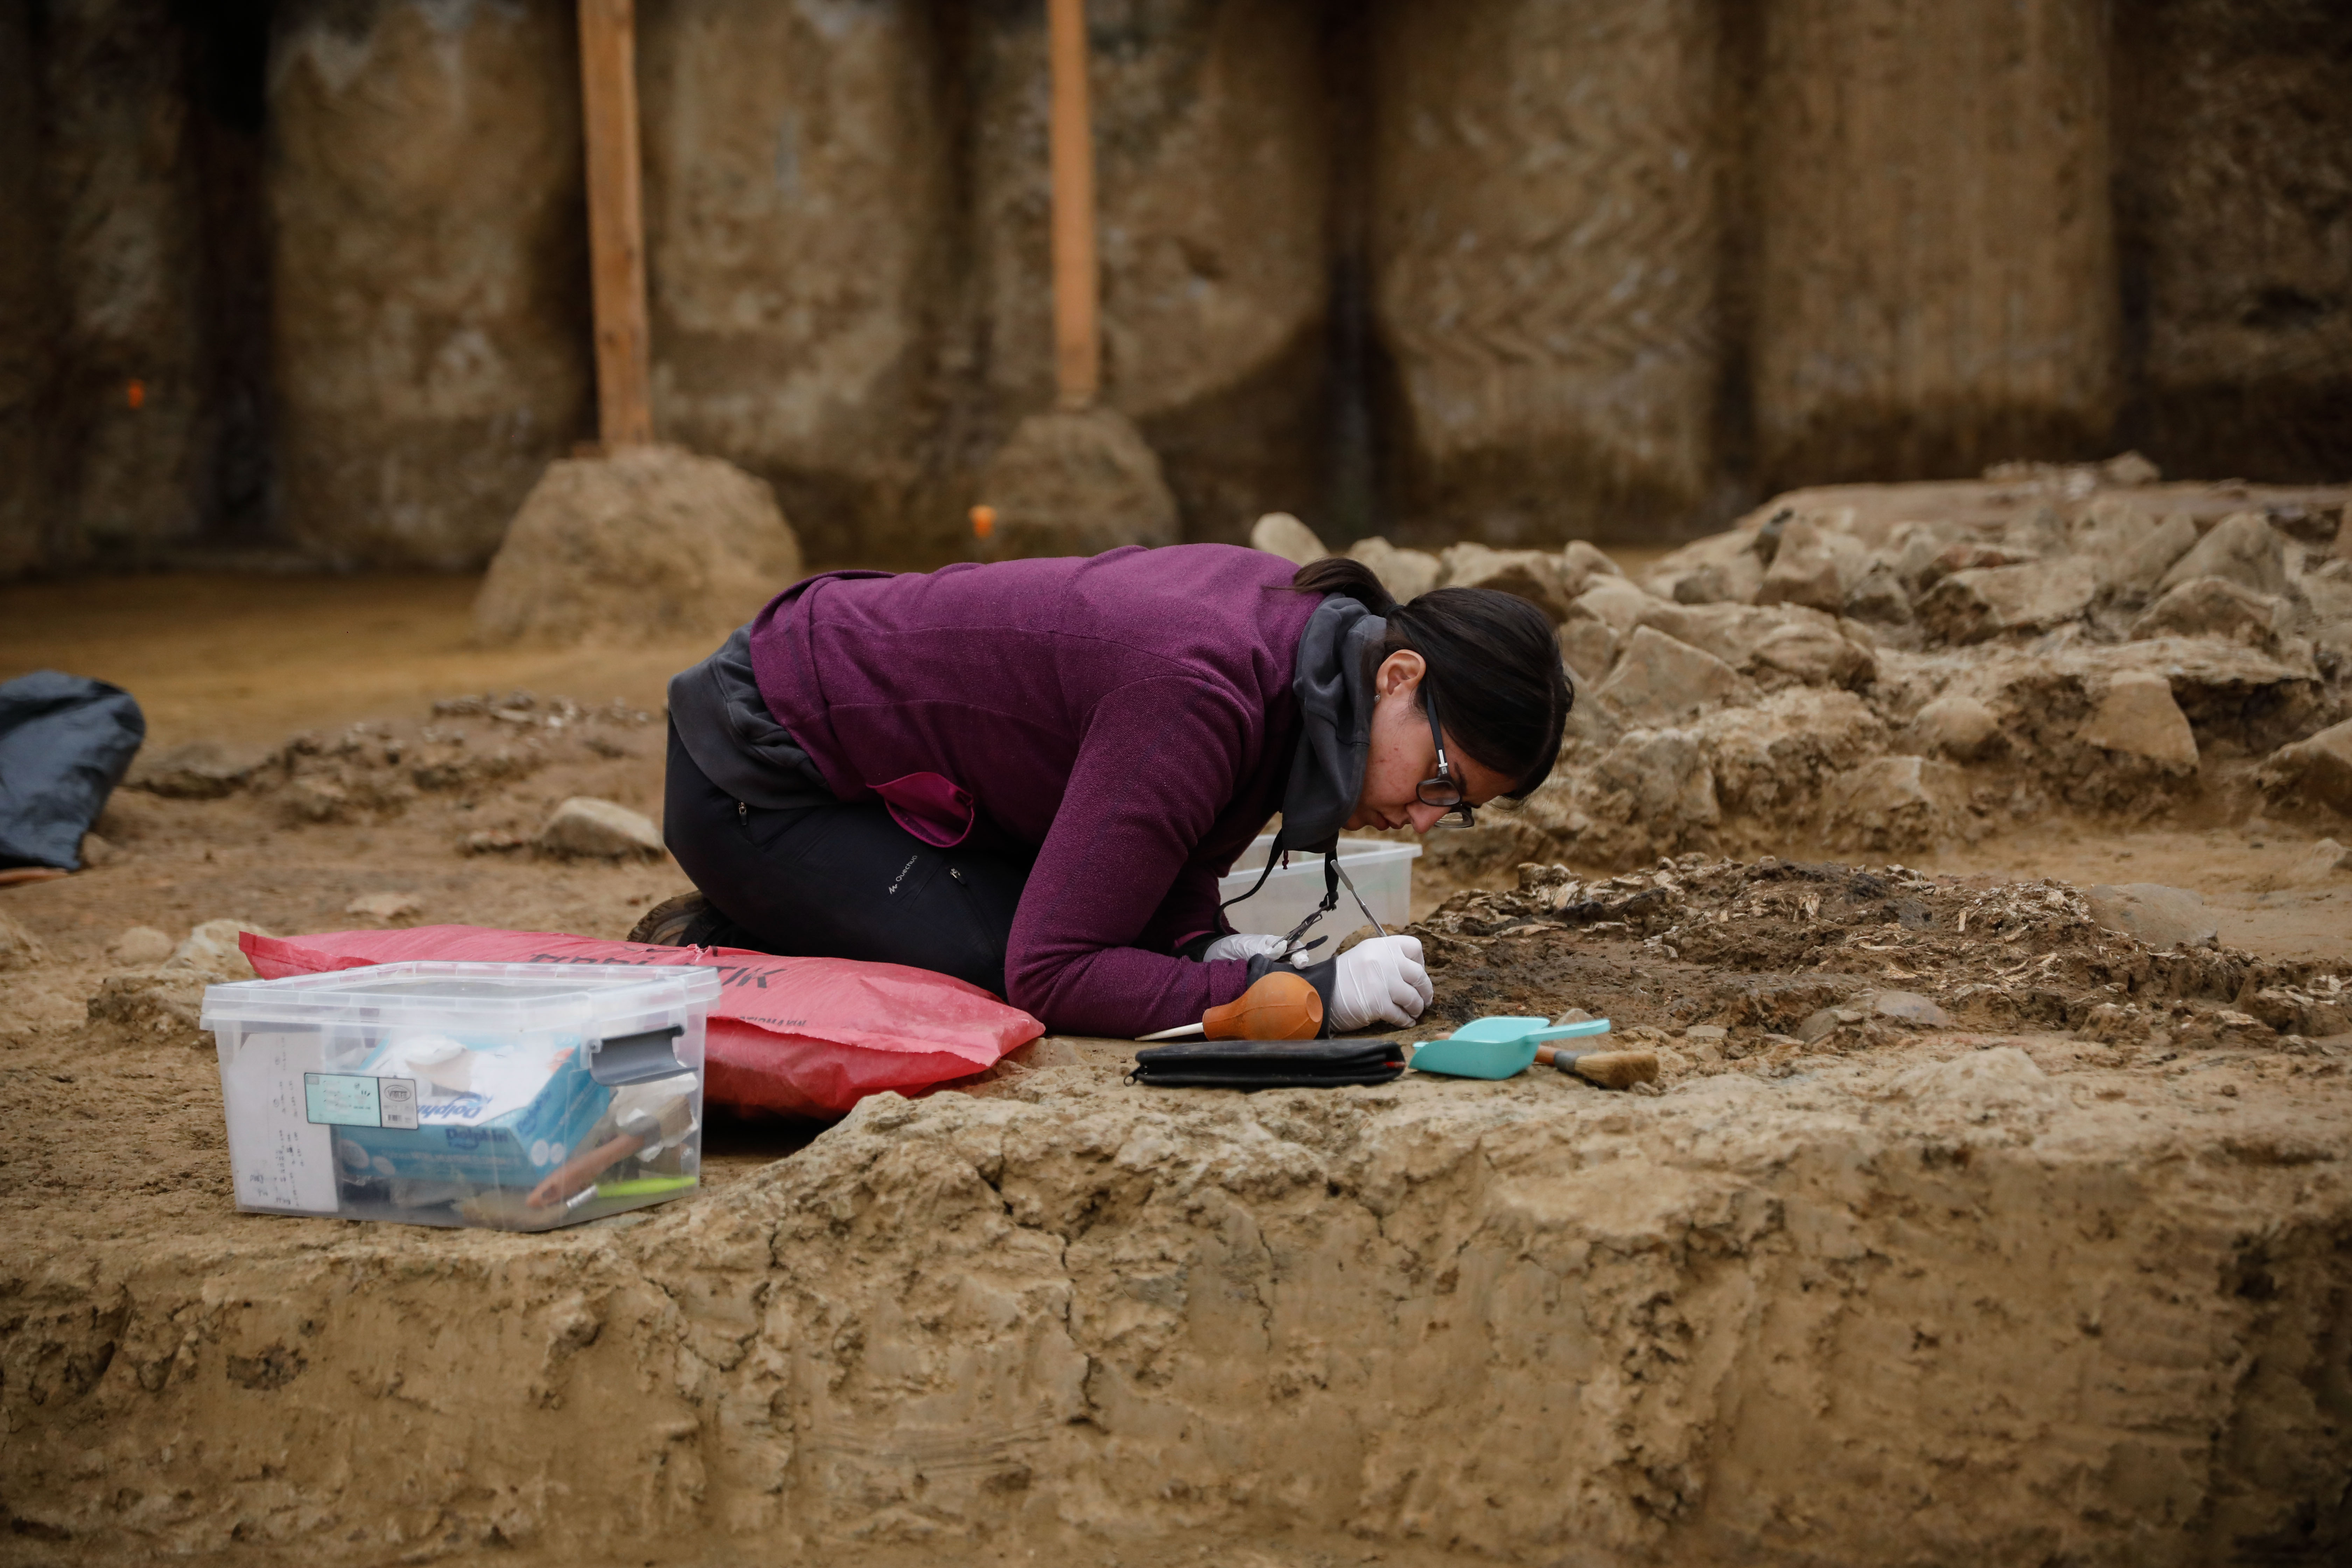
[
  {"x": 1078, "y": 328},
  {"x": 616, "y": 228}
]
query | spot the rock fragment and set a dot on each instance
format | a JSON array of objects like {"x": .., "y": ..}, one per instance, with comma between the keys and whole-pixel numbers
[
  {"x": 1812, "y": 650},
  {"x": 1581, "y": 562},
  {"x": 1723, "y": 568},
  {"x": 1279, "y": 533},
  {"x": 201, "y": 770},
  {"x": 1879, "y": 596},
  {"x": 586, "y": 826},
  {"x": 1909, "y": 1007},
  {"x": 165, "y": 1003},
  {"x": 2159, "y": 916},
  {"x": 389, "y": 907},
  {"x": 1531, "y": 574},
  {"x": 2321, "y": 863},
  {"x": 2138, "y": 565},
  {"x": 1587, "y": 646},
  {"x": 1615, "y": 603},
  {"x": 1958, "y": 726},
  {"x": 1986, "y": 602},
  {"x": 141, "y": 947},
  {"x": 211, "y": 948},
  {"x": 1659, "y": 680},
  {"x": 1893, "y": 803},
  {"x": 2243, "y": 548},
  {"x": 2216, "y": 607},
  {"x": 1812, "y": 566},
  {"x": 18, "y": 948},
  {"x": 2138, "y": 717},
  {"x": 1405, "y": 574},
  {"x": 2319, "y": 768}
]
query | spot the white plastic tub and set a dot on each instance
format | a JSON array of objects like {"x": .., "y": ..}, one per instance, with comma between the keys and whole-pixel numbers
[
  {"x": 510, "y": 1096},
  {"x": 1382, "y": 871}
]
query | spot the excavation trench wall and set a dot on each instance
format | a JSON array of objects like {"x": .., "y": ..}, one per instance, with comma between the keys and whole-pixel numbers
[
  {"x": 1927, "y": 1310},
  {"x": 1528, "y": 270}
]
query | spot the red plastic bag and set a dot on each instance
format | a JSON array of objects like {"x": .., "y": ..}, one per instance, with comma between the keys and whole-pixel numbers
[{"x": 806, "y": 1037}]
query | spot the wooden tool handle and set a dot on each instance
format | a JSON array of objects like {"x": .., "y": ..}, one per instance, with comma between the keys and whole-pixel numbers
[
  {"x": 1608, "y": 1069},
  {"x": 581, "y": 1172},
  {"x": 1281, "y": 1007}
]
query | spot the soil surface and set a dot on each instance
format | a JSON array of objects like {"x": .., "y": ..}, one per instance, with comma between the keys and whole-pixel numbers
[{"x": 1913, "y": 1121}]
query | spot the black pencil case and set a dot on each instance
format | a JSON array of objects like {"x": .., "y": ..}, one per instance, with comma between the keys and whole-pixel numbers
[{"x": 1266, "y": 1064}]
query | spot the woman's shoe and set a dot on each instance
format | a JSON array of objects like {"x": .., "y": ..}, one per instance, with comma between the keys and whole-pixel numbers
[{"x": 686, "y": 919}]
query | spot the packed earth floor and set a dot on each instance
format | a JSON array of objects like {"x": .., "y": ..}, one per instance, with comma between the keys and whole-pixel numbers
[{"x": 1962, "y": 1224}]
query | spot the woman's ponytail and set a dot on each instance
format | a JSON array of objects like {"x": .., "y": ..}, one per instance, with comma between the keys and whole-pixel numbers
[{"x": 1348, "y": 578}]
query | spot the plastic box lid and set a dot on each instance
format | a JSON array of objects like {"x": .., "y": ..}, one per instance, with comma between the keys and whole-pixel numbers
[{"x": 489, "y": 997}]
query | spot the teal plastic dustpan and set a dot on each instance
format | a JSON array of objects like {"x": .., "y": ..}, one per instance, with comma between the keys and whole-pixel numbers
[{"x": 1497, "y": 1047}]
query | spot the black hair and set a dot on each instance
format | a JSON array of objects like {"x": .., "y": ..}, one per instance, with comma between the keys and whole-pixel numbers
[{"x": 1493, "y": 660}]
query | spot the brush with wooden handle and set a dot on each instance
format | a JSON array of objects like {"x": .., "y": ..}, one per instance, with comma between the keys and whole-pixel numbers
[
  {"x": 1282, "y": 1006},
  {"x": 1604, "y": 1069}
]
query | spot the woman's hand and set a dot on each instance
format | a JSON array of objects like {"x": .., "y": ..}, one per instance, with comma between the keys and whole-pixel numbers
[
  {"x": 1381, "y": 980},
  {"x": 1242, "y": 945}
]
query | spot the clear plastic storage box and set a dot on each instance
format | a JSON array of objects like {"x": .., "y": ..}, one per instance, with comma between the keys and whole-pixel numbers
[
  {"x": 1382, "y": 871},
  {"x": 514, "y": 1096}
]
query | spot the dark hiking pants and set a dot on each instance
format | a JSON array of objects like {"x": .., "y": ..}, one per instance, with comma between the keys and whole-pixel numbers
[{"x": 840, "y": 881}]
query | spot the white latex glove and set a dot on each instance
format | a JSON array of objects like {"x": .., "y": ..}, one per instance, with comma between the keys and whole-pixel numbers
[
  {"x": 1379, "y": 980},
  {"x": 1241, "y": 944}
]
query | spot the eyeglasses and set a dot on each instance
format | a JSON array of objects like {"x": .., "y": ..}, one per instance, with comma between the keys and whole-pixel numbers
[{"x": 1443, "y": 789}]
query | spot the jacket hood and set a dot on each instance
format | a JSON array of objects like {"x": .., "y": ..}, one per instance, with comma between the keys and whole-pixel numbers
[{"x": 1331, "y": 680}]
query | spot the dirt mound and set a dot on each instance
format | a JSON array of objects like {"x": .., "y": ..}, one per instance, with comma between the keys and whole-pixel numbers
[
  {"x": 1075, "y": 484},
  {"x": 1884, "y": 669},
  {"x": 649, "y": 542},
  {"x": 1794, "y": 959}
]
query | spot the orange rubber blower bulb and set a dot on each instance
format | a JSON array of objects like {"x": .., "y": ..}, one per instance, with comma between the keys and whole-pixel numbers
[{"x": 1281, "y": 1007}]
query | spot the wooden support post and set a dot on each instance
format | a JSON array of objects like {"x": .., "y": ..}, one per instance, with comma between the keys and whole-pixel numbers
[
  {"x": 1078, "y": 328},
  {"x": 616, "y": 227}
]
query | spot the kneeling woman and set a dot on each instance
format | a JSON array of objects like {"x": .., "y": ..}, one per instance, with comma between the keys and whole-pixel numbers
[{"x": 1031, "y": 774}]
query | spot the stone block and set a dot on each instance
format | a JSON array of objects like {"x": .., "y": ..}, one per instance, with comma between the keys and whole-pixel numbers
[
  {"x": 2242, "y": 548},
  {"x": 1659, "y": 680},
  {"x": 799, "y": 164},
  {"x": 429, "y": 275},
  {"x": 1937, "y": 283},
  {"x": 1986, "y": 602},
  {"x": 1554, "y": 375},
  {"x": 2138, "y": 717}
]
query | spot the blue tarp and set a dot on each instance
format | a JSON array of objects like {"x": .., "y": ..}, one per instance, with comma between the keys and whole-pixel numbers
[{"x": 65, "y": 742}]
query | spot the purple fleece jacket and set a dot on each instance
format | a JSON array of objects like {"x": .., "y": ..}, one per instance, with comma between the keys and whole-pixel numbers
[{"x": 1127, "y": 715}]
